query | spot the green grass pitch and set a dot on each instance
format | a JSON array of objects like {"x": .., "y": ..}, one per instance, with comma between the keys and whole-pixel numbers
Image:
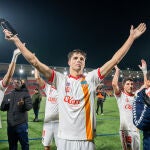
[{"x": 107, "y": 129}]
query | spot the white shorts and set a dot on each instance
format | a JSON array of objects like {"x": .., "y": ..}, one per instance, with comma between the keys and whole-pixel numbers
[
  {"x": 50, "y": 131},
  {"x": 75, "y": 145},
  {"x": 131, "y": 138}
]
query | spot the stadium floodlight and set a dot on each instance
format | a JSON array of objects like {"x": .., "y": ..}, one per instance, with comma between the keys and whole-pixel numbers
[
  {"x": 21, "y": 71},
  {"x": 32, "y": 71},
  {"x": 121, "y": 75}
]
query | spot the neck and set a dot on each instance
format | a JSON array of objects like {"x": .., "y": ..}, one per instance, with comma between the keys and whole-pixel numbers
[{"x": 75, "y": 73}]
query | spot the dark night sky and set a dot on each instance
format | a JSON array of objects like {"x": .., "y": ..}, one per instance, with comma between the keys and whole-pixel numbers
[{"x": 52, "y": 29}]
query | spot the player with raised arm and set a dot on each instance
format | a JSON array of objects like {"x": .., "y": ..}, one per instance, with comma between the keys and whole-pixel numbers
[
  {"x": 76, "y": 93},
  {"x": 51, "y": 119},
  {"x": 8, "y": 76},
  {"x": 129, "y": 134}
]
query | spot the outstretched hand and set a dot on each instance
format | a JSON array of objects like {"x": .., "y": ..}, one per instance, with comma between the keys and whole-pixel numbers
[
  {"x": 17, "y": 52},
  {"x": 116, "y": 68},
  {"x": 143, "y": 66},
  {"x": 9, "y": 35},
  {"x": 138, "y": 31}
]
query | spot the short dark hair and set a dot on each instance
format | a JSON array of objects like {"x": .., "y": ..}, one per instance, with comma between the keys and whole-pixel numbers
[
  {"x": 76, "y": 51},
  {"x": 99, "y": 87},
  {"x": 36, "y": 89},
  {"x": 127, "y": 79},
  {"x": 17, "y": 79}
]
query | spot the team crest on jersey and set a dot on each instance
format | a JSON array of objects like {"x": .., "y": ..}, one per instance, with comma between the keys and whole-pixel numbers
[{"x": 67, "y": 87}]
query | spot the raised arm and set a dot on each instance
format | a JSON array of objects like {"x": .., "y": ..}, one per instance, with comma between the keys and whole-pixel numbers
[
  {"x": 143, "y": 68},
  {"x": 11, "y": 69},
  {"x": 117, "y": 57},
  {"x": 115, "y": 81},
  {"x": 39, "y": 80},
  {"x": 29, "y": 56}
]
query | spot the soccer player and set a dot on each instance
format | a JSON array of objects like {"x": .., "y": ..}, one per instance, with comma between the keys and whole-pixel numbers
[
  {"x": 51, "y": 120},
  {"x": 129, "y": 135},
  {"x": 7, "y": 78},
  {"x": 76, "y": 92}
]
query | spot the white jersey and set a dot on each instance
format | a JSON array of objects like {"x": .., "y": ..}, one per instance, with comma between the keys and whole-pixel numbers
[
  {"x": 2, "y": 92},
  {"x": 77, "y": 120},
  {"x": 125, "y": 105},
  {"x": 51, "y": 106}
]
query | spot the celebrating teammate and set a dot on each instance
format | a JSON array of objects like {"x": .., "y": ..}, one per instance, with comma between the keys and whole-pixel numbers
[
  {"x": 7, "y": 78},
  {"x": 76, "y": 92},
  {"x": 50, "y": 127},
  {"x": 129, "y": 135}
]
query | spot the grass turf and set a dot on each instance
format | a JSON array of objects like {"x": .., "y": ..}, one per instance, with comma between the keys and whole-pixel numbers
[{"x": 107, "y": 129}]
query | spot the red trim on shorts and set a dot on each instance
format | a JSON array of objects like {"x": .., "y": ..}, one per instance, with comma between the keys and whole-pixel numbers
[{"x": 123, "y": 140}]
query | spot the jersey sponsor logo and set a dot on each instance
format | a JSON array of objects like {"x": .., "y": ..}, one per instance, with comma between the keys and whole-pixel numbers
[
  {"x": 70, "y": 100},
  {"x": 128, "y": 106},
  {"x": 52, "y": 99}
]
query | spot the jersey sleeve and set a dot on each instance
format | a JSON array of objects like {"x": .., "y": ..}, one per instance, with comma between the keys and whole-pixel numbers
[
  {"x": 141, "y": 112},
  {"x": 95, "y": 76}
]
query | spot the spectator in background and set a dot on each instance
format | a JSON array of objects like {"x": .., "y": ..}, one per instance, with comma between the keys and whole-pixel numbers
[
  {"x": 17, "y": 103},
  {"x": 129, "y": 135},
  {"x": 36, "y": 100},
  {"x": 7, "y": 78},
  {"x": 51, "y": 120},
  {"x": 100, "y": 97}
]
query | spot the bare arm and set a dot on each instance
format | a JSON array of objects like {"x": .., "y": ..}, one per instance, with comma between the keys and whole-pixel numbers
[
  {"x": 11, "y": 69},
  {"x": 115, "y": 81},
  {"x": 143, "y": 68},
  {"x": 117, "y": 57},
  {"x": 30, "y": 57},
  {"x": 39, "y": 80}
]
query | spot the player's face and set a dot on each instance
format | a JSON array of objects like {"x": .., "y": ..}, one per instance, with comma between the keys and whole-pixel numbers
[
  {"x": 77, "y": 62},
  {"x": 128, "y": 87}
]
